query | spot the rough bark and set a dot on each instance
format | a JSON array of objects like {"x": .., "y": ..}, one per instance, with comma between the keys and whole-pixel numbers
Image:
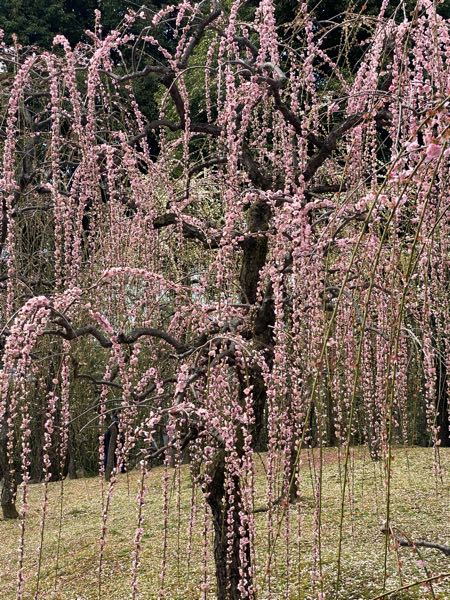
[
  {"x": 228, "y": 575},
  {"x": 8, "y": 500},
  {"x": 404, "y": 541},
  {"x": 9, "y": 488},
  {"x": 111, "y": 451},
  {"x": 442, "y": 419},
  {"x": 71, "y": 462}
]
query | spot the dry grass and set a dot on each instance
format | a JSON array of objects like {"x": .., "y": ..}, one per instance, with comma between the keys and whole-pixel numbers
[{"x": 419, "y": 507}]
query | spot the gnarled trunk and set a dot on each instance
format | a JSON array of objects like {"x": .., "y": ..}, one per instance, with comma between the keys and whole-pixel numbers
[
  {"x": 233, "y": 565},
  {"x": 442, "y": 412},
  {"x": 9, "y": 488},
  {"x": 111, "y": 450},
  {"x": 233, "y": 558},
  {"x": 8, "y": 501}
]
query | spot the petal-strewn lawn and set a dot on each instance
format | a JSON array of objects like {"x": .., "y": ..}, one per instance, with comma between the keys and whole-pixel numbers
[{"x": 420, "y": 509}]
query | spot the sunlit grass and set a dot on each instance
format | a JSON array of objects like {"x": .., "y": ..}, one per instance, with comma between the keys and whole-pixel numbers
[{"x": 419, "y": 507}]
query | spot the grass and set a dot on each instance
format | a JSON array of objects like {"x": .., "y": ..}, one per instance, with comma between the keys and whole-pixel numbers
[{"x": 419, "y": 508}]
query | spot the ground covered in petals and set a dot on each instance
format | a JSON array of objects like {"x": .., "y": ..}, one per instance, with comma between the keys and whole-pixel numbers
[{"x": 419, "y": 509}]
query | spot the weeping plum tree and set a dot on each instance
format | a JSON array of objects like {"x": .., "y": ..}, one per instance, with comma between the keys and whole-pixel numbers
[{"x": 274, "y": 277}]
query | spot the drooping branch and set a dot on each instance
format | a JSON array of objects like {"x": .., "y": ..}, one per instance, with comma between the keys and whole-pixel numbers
[
  {"x": 403, "y": 541},
  {"x": 134, "y": 335},
  {"x": 99, "y": 382},
  {"x": 147, "y": 70},
  {"x": 197, "y": 36},
  {"x": 193, "y": 433},
  {"x": 329, "y": 144},
  {"x": 202, "y": 128},
  {"x": 151, "y": 126},
  {"x": 69, "y": 333},
  {"x": 189, "y": 230}
]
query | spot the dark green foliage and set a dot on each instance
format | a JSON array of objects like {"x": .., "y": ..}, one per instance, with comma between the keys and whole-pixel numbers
[
  {"x": 359, "y": 16},
  {"x": 36, "y": 22}
]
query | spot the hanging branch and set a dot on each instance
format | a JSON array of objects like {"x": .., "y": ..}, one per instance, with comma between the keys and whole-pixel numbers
[
  {"x": 405, "y": 542},
  {"x": 69, "y": 333}
]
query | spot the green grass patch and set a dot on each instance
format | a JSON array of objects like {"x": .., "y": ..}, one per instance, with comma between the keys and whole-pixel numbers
[{"x": 419, "y": 508}]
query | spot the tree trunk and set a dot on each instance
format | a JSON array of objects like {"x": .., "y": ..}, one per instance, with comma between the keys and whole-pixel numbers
[
  {"x": 292, "y": 480},
  {"x": 72, "y": 465},
  {"x": 441, "y": 383},
  {"x": 233, "y": 559},
  {"x": 72, "y": 469},
  {"x": 230, "y": 577},
  {"x": 9, "y": 488},
  {"x": 111, "y": 451},
  {"x": 8, "y": 501},
  {"x": 442, "y": 420}
]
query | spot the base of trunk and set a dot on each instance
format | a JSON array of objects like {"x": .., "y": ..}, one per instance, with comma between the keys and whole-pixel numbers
[
  {"x": 233, "y": 564},
  {"x": 8, "y": 501},
  {"x": 10, "y": 511}
]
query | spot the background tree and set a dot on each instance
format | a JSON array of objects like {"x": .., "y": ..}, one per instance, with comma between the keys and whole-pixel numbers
[{"x": 37, "y": 22}]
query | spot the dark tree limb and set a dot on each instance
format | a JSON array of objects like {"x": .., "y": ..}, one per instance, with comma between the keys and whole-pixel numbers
[
  {"x": 147, "y": 70},
  {"x": 69, "y": 333},
  {"x": 197, "y": 36},
  {"x": 203, "y": 128},
  {"x": 328, "y": 146},
  {"x": 405, "y": 542},
  {"x": 134, "y": 335},
  {"x": 189, "y": 230},
  {"x": 192, "y": 434}
]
